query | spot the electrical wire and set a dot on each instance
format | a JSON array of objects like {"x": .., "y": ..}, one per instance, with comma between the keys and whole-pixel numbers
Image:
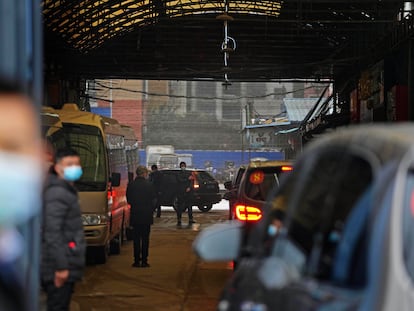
[{"x": 205, "y": 97}]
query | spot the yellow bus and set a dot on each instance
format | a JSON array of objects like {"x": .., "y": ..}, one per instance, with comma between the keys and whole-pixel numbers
[{"x": 101, "y": 144}]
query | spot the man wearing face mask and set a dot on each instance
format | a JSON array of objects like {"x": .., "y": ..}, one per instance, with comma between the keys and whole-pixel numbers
[
  {"x": 20, "y": 192},
  {"x": 63, "y": 242},
  {"x": 184, "y": 195}
]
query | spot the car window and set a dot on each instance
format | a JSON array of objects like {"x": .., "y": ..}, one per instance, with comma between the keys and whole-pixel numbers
[
  {"x": 168, "y": 178},
  {"x": 204, "y": 176},
  {"x": 261, "y": 181},
  {"x": 408, "y": 226},
  {"x": 317, "y": 204},
  {"x": 239, "y": 175}
]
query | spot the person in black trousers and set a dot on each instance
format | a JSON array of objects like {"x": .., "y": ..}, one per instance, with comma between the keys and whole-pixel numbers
[
  {"x": 155, "y": 177},
  {"x": 63, "y": 237},
  {"x": 141, "y": 196},
  {"x": 184, "y": 196}
]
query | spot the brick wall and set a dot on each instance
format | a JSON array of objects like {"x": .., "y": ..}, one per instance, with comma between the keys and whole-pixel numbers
[{"x": 129, "y": 112}]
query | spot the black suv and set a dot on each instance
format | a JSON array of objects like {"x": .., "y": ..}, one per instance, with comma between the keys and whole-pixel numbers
[{"x": 205, "y": 188}]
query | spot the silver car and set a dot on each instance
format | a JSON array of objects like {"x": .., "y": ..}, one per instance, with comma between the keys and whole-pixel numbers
[{"x": 339, "y": 232}]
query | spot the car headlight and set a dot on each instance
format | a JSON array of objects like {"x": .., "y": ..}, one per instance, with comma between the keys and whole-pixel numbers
[{"x": 92, "y": 219}]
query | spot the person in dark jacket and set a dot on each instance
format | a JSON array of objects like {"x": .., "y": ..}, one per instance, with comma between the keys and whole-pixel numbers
[
  {"x": 21, "y": 193},
  {"x": 63, "y": 241},
  {"x": 184, "y": 195},
  {"x": 155, "y": 177},
  {"x": 141, "y": 196}
]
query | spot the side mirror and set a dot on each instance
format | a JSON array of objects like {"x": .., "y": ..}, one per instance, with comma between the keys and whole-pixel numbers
[
  {"x": 115, "y": 179},
  {"x": 230, "y": 195},
  {"x": 228, "y": 185},
  {"x": 219, "y": 242}
]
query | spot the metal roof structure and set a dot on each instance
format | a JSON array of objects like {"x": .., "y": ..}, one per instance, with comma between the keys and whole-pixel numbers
[
  {"x": 199, "y": 39},
  {"x": 298, "y": 108}
]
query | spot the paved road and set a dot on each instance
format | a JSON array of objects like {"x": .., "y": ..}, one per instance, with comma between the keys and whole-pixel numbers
[{"x": 176, "y": 280}]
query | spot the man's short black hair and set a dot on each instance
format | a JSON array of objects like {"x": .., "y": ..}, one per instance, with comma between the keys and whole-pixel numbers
[
  {"x": 183, "y": 163},
  {"x": 65, "y": 152},
  {"x": 154, "y": 167},
  {"x": 11, "y": 87}
]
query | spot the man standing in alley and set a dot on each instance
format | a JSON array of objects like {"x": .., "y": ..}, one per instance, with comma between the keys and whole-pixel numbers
[
  {"x": 155, "y": 179},
  {"x": 142, "y": 198},
  {"x": 184, "y": 196},
  {"x": 63, "y": 241}
]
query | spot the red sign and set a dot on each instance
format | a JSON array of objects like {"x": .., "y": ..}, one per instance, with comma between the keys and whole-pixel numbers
[{"x": 256, "y": 177}]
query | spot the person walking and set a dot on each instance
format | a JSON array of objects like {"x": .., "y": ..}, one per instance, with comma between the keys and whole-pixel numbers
[
  {"x": 155, "y": 177},
  {"x": 63, "y": 241},
  {"x": 184, "y": 196},
  {"x": 142, "y": 198}
]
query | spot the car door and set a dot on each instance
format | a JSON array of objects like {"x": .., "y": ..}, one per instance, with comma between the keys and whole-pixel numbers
[{"x": 391, "y": 260}]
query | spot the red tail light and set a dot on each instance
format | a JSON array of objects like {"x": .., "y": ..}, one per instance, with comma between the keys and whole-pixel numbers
[
  {"x": 111, "y": 194},
  {"x": 248, "y": 213},
  {"x": 196, "y": 185},
  {"x": 287, "y": 168}
]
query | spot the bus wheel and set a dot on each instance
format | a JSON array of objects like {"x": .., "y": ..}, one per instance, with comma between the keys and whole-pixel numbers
[
  {"x": 115, "y": 245},
  {"x": 101, "y": 254},
  {"x": 205, "y": 207}
]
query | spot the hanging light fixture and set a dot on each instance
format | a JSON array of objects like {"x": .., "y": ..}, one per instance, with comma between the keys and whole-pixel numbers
[{"x": 229, "y": 44}]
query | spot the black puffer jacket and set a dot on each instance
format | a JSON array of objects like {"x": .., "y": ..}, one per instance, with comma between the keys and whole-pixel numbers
[{"x": 63, "y": 240}]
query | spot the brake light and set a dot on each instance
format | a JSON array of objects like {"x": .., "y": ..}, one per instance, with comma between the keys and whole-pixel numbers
[
  {"x": 111, "y": 194},
  {"x": 196, "y": 185},
  {"x": 287, "y": 168},
  {"x": 248, "y": 213}
]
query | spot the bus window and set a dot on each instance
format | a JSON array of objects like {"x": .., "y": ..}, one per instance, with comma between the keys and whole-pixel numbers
[{"x": 88, "y": 142}]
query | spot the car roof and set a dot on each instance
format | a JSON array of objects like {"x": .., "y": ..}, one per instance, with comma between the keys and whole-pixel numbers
[
  {"x": 179, "y": 170},
  {"x": 384, "y": 141},
  {"x": 271, "y": 163}
]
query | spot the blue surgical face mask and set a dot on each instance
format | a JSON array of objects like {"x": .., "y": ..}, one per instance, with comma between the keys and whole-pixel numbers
[
  {"x": 72, "y": 173},
  {"x": 20, "y": 188},
  {"x": 272, "y": 230}
]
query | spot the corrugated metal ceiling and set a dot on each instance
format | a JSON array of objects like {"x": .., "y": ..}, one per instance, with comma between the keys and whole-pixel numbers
[{"x": 182, "y": 39}]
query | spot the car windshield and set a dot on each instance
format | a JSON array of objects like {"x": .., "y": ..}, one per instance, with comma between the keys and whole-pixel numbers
[{"x": 261, "y": 181}]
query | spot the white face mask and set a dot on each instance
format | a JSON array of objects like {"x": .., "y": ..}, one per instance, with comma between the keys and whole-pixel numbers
[{"x": 20, "y": 188}]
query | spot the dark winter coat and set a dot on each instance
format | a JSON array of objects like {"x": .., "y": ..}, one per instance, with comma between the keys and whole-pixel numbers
[
  {"x": 184, "y": 183},
  {"x": 63, "y": 239},
  {"x": 155, "y": 177},
  {"x": 141, "y": 196}
]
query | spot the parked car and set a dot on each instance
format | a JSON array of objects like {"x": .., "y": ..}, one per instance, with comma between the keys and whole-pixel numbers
[
  {"x": 232, "y": 188},
  {"x": 205, "y": 188},
  {"x": 253, "y": 183},
  {"x": 259, "y": 179},
  {"x": 346, "y": 242}
]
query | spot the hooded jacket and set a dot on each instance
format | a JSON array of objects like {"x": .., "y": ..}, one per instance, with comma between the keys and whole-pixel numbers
[{"x": 63, "y": 240}]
